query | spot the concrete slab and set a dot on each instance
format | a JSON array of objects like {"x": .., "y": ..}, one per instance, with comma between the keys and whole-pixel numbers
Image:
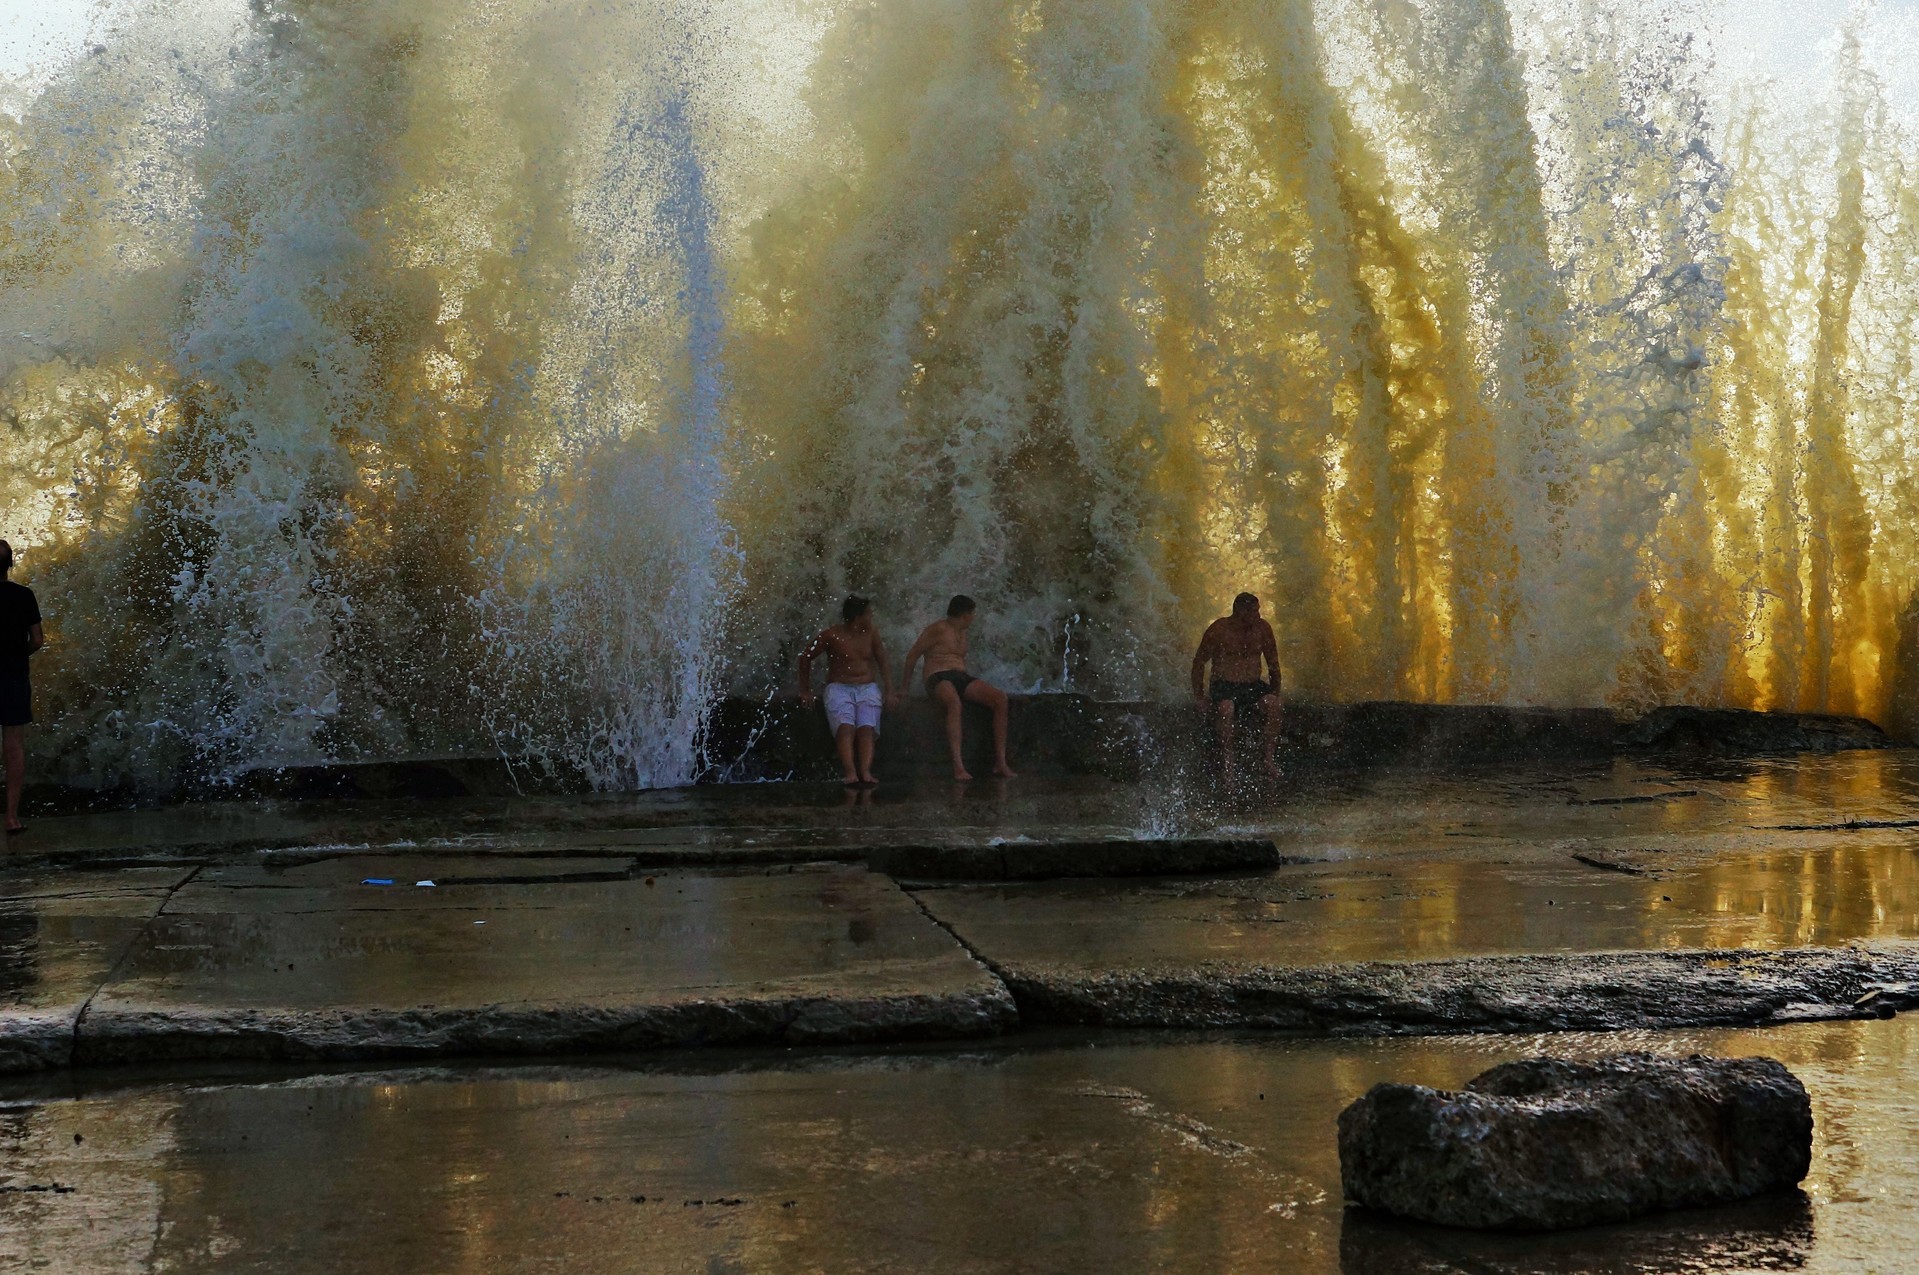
[
  {"x": 60, "y": 936},
  {"x": 1602, "y": 991},
  {"x": 40, "y": 882},
  {"x": 1027, "y": 859},
  {"x": 1315, "y": 914},
  {"x": 352, "y": 972},
  {"x": 446, "y": 870},
  {"x": 1448, "y": 946},
  {"x": 1169, "y": 1154}
]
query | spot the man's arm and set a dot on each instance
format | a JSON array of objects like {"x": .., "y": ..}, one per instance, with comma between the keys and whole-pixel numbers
[
  {"x": 812, "y": 649},
  {"x": 1200, "y": 658},
  {"x": 35, "y": 639},
  {"x": 1272, "y": 656},
  {"x": 913, "y": 654},
  {"x": 879, "y": 664}
]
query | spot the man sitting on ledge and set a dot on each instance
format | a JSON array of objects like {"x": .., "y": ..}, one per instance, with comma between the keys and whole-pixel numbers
[
  {"x": 943, "y": 643},
  {"x": 1236, "y": 646}
]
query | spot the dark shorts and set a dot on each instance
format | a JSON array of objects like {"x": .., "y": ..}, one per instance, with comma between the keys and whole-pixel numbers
[
  {"x": 16, "y": 701},
  {"x": 959, "y": 680},
  {"x": 1245, "y": 695}
]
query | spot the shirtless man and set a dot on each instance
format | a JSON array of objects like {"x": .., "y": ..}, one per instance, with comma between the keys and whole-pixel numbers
[
  {"x": 1236, "y": 646},
  {"x": 943, "y": 643},
  {"x": 857, "y": 686}
]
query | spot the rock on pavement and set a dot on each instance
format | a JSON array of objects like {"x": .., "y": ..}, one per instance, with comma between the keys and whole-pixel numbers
[{"x": 1544, "y": 1144}]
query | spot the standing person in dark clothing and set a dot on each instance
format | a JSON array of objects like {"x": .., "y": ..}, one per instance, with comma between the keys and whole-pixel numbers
[{"x": 20, "y": 636}]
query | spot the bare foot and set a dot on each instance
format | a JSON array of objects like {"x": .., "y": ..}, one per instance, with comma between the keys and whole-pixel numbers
[
  {"x": 870, "y": 780},
  {"x": 850, "y": 779},
  {"x": 961, "y": 776},
  {"x": 1005, "y": 772}
]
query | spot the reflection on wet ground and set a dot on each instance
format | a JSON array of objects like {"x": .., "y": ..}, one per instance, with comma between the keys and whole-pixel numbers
[
  {"x": 1812, "y": 852},
  {"x": 1431, "y": 909},
  {"x": 1802, "y": 851},
  {"x": 1105, "y": 1152},
  {"x": 1625, "y": 805},
  {"x": 1109, "y": 1154},
  {"x": 550, "y": 902}
]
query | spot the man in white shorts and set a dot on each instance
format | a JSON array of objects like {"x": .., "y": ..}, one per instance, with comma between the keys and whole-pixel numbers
[{"x": 857, "y": 687}]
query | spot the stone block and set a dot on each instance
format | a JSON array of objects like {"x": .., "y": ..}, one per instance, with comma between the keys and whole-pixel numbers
[{"x": 1544, "y": 1144}]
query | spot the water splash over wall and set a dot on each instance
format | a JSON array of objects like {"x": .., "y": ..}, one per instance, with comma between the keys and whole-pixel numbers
[{"x": 412, "y": 377}]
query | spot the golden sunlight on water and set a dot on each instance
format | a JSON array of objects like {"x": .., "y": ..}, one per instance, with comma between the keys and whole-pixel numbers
[{"x": 414, "y": 376}]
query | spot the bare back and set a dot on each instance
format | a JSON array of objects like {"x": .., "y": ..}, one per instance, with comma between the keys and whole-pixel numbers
[
  {"x": 943, "y": 645},
  {"x": 1238, "y": 648}
]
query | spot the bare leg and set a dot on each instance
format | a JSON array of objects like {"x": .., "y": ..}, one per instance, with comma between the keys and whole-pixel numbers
[
  {"x": 949, "y": 700},
  {"x": 1223, "y": 717},
  {"x": 1270, "y": 707},
  {"x": 843, "y": 740},
  {"x": 865, "y": 737},
  {"x": 15, "y": 746},
  {"x": 994, "y": 698}
]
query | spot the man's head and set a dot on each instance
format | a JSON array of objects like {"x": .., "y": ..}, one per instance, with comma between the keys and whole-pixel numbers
[
  {"x": 854, "y": 607},
  {"x": 960, "y": 609},
  {"x": 1246, "y": 607},
  {"x": 6, "y": 559}
]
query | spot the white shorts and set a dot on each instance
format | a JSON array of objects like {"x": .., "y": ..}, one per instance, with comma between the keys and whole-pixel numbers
[{"x": 854, "y": 706}]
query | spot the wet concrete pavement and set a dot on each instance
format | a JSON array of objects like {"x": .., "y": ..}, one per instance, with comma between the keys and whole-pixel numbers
[
  {"x": 314, "y": 962},
  {"x": 1416, "y": 945},
  {"x": 1616, "y": 895},
  {"x": 1604, "y": 896},
  {"x": 61, "y": 935},
  {"x": 1113, "y": 1154}
]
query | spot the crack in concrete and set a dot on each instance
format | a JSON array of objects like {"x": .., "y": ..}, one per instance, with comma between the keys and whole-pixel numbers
[
  {"x": 1850, "y": 825},
  {"x": 999, "y": 975},
  {"x": 1606, "y": 865},
  {"x": 28, "y": 899},
  {"x": 126, "y": 952}
]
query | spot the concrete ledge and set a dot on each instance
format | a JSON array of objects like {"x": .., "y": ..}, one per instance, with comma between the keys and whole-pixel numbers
[
  {"x": 35, "y": 1040},
  {"x": 120, "y": 1035},
  {"x": 1597, "y": 991},
  {"x": 1063, "y": 734},
  {"x": 1048, "y": 860},
  {"x": 1582, "y": 992},
  {"x": 1732, "y": 732}
]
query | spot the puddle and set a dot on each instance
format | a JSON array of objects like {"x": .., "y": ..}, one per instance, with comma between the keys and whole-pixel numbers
[{"x": 1120, "y": 1153}]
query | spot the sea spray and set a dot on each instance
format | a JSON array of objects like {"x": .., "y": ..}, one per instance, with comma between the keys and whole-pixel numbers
[
  {"x": 604, "y": 623},
  {"x": 399, "y": 378}
]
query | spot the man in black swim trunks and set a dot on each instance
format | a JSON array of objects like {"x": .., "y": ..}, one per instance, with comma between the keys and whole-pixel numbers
[
  {"x": 20, "y": 636},
  {"x": 1236, "y": 646},
  {"x": 943, "y": 644}
]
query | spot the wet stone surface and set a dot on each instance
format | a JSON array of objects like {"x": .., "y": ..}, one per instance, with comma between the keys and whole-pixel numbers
[
  {"x": 1585, "y": 896},
  {"x": 314, "y": 961},
  {"x": 61, "y": 934},
  {"x": 1058, "y": 1155},
  {"x": 1025, "y": 859},
  {"x": 1546, "y": 1144},
  {"x": 1610, "y": 895}
]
